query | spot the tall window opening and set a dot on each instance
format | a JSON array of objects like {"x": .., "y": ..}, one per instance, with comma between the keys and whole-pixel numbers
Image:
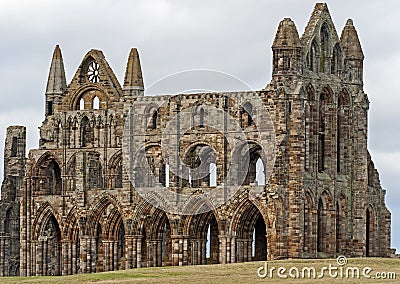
[
  {"x": 96, "y": 103},
  {"x": 81, "y": 104},
  {"x": 213, "y": 174},
  {"x": 321, "y": 134},
  {"x": 154, "y": 120},
  {"x": 201, "y": 117},
  {"x": 324, "y": 49},
  {"x": 260, "y": 173}
]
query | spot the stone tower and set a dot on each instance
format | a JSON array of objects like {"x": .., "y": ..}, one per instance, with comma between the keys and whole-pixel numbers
[
  {"x": 290, "y": 163},
  {"x": 11, "y": 190}
]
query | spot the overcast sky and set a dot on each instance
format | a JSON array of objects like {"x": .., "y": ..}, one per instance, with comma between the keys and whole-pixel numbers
[{"x": 229, "y": 36}]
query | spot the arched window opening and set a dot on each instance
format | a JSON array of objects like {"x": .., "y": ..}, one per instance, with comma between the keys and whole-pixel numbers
[
  {"x": 52, "y": 261},
  {"x": 86, "y": 132},
  {"x": 260, "y": 173},
  {"x": 118, "y": 179},
  {"x": 95, "y": 180},
  {"x": 14, "y": 147},
  {"x": 324, "y": 49},
  {"x": 201, "y": 117},
  {"x": 314, "y": 54},
  {"x": 154, "y": 120},
  {"x": 81, "y": 104},
  {"x": 164, "y": 174},
  {"x": 336, "y": 60},
  {"x": 96, "y": 102},
  {"x": 53, "y": 175},
  {"x": 213, "y": 174},
  {"x": 321, "y": 134},
  {"x": 246, "y": 115}
]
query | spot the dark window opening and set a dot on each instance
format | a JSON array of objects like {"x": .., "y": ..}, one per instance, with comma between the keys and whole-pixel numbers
[{"x": 49, "y": 108}]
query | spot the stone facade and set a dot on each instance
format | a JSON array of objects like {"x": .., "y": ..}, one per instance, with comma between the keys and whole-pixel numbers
[{"x": 77, "y": 200}]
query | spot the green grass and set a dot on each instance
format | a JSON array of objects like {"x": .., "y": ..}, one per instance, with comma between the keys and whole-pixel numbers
[{"x": 230, "y": 273}]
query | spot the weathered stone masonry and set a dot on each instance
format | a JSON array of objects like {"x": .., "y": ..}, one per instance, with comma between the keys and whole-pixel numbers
[{"x": 70, "y": 207}]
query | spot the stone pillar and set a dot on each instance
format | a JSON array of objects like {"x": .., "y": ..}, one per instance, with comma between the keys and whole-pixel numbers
[
  {"x": 139, "y": 261},
  {"x": 179, "y": 250},
  {"x": 31, "y": 269},
  {"x": 233, "y": 250},
  {"x": 129, "y": 251},
  {"x": 66, "y": 257}
]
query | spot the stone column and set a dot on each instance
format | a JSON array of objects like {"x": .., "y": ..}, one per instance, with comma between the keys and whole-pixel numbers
[
  {"x": 179, "y": 250},
  {"x": 233, "y": 249}
]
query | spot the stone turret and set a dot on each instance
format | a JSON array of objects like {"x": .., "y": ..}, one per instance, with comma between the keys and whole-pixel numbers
[
  {"x": 287, "y": 49},
  {"x": 133, "y": 82},
  {"x": 354, "y": 56},
  {"x": 56, "y": 83}
]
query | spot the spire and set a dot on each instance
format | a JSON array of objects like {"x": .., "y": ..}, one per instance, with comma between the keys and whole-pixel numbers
[
  {"x": 56, "y": 83},
  {"x": 133, "y": 75},
  {"x": 350, "y": 42},
  {"x": 287, "y": 35}
]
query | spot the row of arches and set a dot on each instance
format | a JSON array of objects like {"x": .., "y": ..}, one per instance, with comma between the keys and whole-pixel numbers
[
  {"x": 327, "y": 227},
  {"x": 48, "y": 180},
  {"x": 202, "y": 166},
  {"x": 245, "y": 115},
  {"x": 105, "y": 241},
  {"x": 87, "y": 130},
  {"x": 327, "y": 132}
]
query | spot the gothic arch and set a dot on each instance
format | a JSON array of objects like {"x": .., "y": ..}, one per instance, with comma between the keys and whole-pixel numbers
[
  {"x": 116, "y": 171},
  {"x": 87, "y": 94},
  {"x": 244, "y": 162},
  {"x": 325, "y": 221},
  {"x": 42, "y": 216},
  {"x": 242, "y": 226},
  {"x": 325, "y": 128},
  {"x": 310, "y": 125},
  {"x": 48, "y": 171}
]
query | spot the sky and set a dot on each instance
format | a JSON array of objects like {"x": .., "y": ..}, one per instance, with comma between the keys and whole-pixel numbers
[{"x": 234, "y": 37}]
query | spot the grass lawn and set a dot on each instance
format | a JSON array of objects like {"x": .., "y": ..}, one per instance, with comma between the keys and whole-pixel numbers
[{"x": 232, "y": 273}]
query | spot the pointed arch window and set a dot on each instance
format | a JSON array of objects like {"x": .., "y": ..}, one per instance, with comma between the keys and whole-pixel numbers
[
  {"x": 86, "y": 132},
  {"x": 96, "y": 102},
  {"x": 81, "y": 104},
  {"x": 154, "y": 118},
  {"x": 321, "y": 134},
  {"x": 213, "y": 174},
  {"x": 336, "y": 60},
  {"x": 314, "y": 54},
  {"x": 246, "y": 115},
  {"x": 260, "y": 172},
  {"x": 201, "y": 117},
  {"x": 324, "y": 48}
]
